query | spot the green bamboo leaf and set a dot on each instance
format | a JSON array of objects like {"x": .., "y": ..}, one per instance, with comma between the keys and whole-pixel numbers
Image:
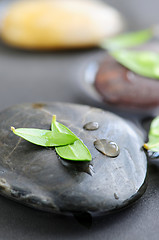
[
  {"x": 76, "y": 151},
  {"x": 128, "y": 40},
  {"x": 154, "y": 128},
  {"x": 44, "y": 138},
  {"x": 60, "y": 128},
  {"x": 153, "y": 143},
  {"x": 144, "y": 63}
]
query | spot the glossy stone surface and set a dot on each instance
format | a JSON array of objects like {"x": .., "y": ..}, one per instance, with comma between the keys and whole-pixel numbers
[
  {"x": 119, "y": 86},
  {"x": 35, "y": 175}
]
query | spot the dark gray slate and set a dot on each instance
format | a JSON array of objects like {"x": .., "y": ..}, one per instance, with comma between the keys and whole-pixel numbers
[{"x": 35, "y": 175}]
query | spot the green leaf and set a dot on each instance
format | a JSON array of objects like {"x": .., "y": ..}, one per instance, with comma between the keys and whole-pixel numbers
[
  {"x": 153, "y": 143},
  {"x": 144, "y": 63},
  {"x": 60, "y": 128},
  {"x": 76, "y": 151},
  {"x": 44, "y": 138},
  {"x": 128, "y": 40},
  {"x": 154, "y": 128}
]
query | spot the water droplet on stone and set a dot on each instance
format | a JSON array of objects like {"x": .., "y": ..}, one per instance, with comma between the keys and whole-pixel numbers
[
  {"x": 90, "y": 170},
  {"x": 106, "y": 147},
  {"x": 116, "y": 196},
  {"x": 78, "y": 166},
  {"x": 91, "y": 126}
]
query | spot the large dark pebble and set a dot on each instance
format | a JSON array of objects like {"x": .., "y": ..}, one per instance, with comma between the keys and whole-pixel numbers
[{"x": 36, "y": 176}]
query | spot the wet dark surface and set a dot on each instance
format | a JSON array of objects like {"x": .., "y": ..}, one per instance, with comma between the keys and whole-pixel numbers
[
  {"x": 34, "y": 77},
  {"x": 33, "y": 175}
]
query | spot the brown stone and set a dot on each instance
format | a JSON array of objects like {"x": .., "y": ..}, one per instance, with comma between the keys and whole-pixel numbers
[{"x": 121, "y": 87}]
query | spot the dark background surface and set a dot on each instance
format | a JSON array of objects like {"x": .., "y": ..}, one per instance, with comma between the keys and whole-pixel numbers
[{"x": 57, "y": 76}]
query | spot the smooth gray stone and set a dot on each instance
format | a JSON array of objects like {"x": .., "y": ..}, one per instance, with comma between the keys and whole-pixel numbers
[{"x": 36, "y": 176}]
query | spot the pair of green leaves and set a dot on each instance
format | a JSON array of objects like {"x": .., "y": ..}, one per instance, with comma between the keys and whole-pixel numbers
[
  {"x": 66, "y": 143},
  {"x": 144, "y": 63},
  {"x": 153, "y": 143}
]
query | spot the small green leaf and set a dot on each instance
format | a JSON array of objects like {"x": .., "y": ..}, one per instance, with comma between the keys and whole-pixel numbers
[
  {"x": 44, "y": 138},
  {"x": 128, "y": 40},
  {"x": 144, "y": 63},
  {"x": 153, "y": 143},
  {"x": 75, "y": 152},
  {"x": 60, "y": 128}
]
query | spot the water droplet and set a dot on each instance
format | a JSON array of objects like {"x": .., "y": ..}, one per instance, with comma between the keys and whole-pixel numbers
[
  {"x": 91, "y": 126},
  {"x": 116, "y": 196},
  {"x": 90, "y": 170},
  {"x": 78, "y": 166},
  {"x": 106, "y": 147}
]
